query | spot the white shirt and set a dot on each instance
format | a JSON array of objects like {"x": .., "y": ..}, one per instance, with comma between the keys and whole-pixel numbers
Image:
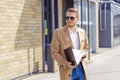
[{"x": 74, "y": 38}]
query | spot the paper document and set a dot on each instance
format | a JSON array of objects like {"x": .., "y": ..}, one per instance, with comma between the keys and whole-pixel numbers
[{"x": 78, "y": 54}]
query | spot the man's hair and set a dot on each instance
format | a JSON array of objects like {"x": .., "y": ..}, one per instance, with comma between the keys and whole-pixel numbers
[{"x": 73, "y": 10}]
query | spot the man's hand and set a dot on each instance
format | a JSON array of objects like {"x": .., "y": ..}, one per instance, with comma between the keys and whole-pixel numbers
[
  {"x": 84, "y": 56},
  {"x": 69, "y": 65}
]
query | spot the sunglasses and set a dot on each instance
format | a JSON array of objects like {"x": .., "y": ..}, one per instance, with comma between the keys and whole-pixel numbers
[{"x": 71, "y": 18}]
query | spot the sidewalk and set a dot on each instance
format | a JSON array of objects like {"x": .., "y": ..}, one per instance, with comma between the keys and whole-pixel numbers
[
  {"x": 43, "y": 76},
  {"x": 102, "y": 66},
  {"x": 105, "y": 66}
]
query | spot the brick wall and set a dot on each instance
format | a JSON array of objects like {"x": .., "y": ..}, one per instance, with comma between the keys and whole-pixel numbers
[{"x": 20, "y": 38}]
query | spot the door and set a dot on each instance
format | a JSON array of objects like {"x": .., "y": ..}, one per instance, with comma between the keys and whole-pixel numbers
[{"x": 50, "y": 22}]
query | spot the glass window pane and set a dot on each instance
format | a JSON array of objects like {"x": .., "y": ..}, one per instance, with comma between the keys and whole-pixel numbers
[{"x": 116, "y": 24}]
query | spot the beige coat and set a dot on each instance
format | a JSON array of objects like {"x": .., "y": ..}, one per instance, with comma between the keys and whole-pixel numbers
[{"x": 60, "y": 41}]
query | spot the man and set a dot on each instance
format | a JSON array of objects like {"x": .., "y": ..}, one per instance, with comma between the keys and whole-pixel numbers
[{"x": 69, "y": 36}]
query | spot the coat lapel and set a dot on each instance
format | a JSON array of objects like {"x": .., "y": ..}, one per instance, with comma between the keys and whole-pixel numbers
[
  {"x": 80, "y": 37},
  {"x": 67, "y": 36}
]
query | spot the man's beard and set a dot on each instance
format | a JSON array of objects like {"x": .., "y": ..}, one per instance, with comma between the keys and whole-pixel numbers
[{"x": 71, "y": 26}]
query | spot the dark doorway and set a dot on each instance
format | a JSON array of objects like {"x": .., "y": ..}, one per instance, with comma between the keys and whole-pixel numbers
[{"x": 50, "y": 22}]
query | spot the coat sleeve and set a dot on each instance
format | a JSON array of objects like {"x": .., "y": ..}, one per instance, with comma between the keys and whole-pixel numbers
[{"x": 55, "y": 50}]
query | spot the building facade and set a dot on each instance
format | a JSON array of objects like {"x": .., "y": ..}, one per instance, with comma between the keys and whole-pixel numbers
[
  {"x": 109, "y": 32},
  {"x": 88, "y": 10},
  {"x": 20, "y": 38},
  {"x": 26, "y": 28}
]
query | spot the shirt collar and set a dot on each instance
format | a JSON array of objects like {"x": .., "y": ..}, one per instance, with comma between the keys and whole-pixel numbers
[{"x": 72, "y": 31}]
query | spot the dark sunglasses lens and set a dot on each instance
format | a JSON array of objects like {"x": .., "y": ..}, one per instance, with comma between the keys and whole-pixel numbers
[
  {"x": 71, "y": 18},
  {"x": 67, "y": 18}
]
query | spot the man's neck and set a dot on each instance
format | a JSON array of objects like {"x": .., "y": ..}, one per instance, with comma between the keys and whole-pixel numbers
[{"x": 73, "y": 28}]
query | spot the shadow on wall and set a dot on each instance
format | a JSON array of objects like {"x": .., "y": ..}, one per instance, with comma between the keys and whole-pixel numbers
[{"x": 28, "y": 34}]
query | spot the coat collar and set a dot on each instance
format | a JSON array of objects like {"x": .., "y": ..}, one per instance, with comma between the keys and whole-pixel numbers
[{"x": 67, "y": 35}]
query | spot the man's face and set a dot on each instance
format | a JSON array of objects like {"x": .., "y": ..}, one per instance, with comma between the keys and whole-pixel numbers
[{"x": 71, "y": 19}]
